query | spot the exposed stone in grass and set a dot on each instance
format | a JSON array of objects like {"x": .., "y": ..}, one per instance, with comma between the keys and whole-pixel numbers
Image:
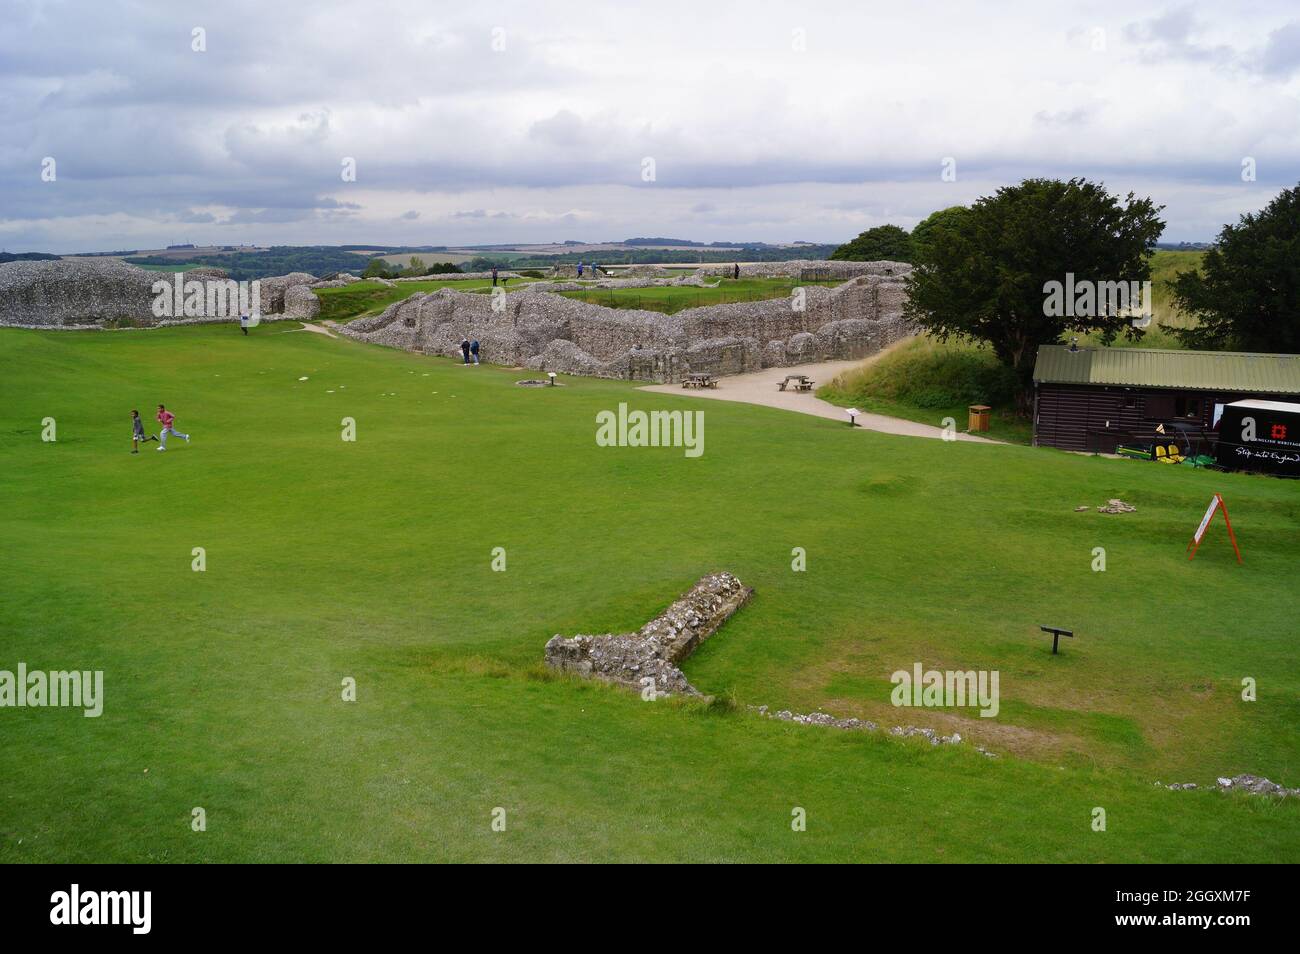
[
  {"x": 1250, "y": 784},
  {"x": 656, "y": 650},
  {"x": 1115, "y": 505},
  {"x": 864, "y": 725}
]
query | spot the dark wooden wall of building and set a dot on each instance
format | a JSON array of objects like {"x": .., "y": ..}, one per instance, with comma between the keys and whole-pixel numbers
[{"x": 1085, "y": 417}]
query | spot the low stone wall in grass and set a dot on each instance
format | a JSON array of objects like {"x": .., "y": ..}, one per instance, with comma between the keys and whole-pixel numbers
[
  {"x": 538, "y": 329},
  {"x": 658, "y": 648}
]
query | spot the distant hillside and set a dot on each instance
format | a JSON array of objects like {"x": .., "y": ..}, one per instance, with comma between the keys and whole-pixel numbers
[
  {"x": 278, "y": 260},
  {"x": 27, "y": 257},
  {"x": 697, "y": 255}
]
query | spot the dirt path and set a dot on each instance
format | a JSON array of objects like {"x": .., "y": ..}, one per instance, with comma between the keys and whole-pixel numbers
[
  {"x": 760, "y": 387},
  {"x": 308, "y": 326}
]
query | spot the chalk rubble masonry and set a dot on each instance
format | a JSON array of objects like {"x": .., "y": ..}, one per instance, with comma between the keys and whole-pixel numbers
[
  {"x": 537, "y": 329},
  {"x": 87, "y": 292},
  {"x": 660, "y": 646}
]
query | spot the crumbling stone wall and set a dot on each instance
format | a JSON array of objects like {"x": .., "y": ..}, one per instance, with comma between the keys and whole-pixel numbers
[
  {"x": 90, "y": 292},
  {"x": 541, "y": 330},
  {"x": 798, "y": 267},
  {"x": 659, "y": 647}
]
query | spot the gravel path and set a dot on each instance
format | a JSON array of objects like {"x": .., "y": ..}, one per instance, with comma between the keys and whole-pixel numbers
[{"x": 760, "y": 387}]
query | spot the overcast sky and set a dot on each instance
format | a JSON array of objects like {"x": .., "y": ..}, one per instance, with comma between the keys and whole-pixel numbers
[{"x": 491, "y": 122}]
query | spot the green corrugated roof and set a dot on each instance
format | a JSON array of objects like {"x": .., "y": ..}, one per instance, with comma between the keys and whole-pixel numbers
[{"x": 1147, "y": 367}]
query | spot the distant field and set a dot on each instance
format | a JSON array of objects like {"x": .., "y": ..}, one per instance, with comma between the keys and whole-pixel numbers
[
  {"x": 670, "y": 299},
  {"x": 1165, "y": 267},
  {"x": 370, "y": 298},
  {"x": 404, "y": 258},
  {"x": 178, "y": 267}
]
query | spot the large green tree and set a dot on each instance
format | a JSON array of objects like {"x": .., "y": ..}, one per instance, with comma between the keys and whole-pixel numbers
[
  {"x": 984, "y": 273},
  {"x": 924, "y": 231},
  {"x": 1246, "y": 295},
  {"x": 883, "y": 243}
]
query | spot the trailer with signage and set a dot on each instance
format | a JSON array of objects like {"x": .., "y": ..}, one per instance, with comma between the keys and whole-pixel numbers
[{"x": 1262, "y": 436}]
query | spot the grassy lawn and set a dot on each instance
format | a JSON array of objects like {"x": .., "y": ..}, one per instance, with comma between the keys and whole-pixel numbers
[
  {"x": 670, "y": 299},
  {"x": 925, "y": 380},
  {"x": 366, "y": 297},
  {"x": 371, "y": 560}
]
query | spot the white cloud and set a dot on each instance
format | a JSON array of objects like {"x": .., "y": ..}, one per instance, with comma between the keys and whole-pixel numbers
[{"x": 751, "y": 137}]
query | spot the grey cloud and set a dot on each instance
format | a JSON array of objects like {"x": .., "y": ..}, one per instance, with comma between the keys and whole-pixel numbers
[
  {"x": 1281, "y": 56},
  {"x": 1172, "y": 36}
]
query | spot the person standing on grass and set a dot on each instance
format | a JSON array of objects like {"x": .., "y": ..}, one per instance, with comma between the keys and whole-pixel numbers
[
  {"x": 736, "y": 274},
  {"x": 580, "y": 269},
  {"x": 464, "y": 349},
  {"x": 473, "y": 349},
  {"x": 243, "y": 322},
  {"x": 168, "y": 421},
  {"x": 137, "y": 433},
  {"x": 494, "y": 275}
]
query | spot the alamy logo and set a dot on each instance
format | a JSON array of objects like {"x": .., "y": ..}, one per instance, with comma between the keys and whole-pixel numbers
[
  {"x": 134, "y": 908},
  {"x": 935, "y": 689},
  {"x": 213, "y": 298},
  {"x": 57, "y": 688},
  {"x": 651, "y": 429},
  {"x": 1089, "y": 299}
]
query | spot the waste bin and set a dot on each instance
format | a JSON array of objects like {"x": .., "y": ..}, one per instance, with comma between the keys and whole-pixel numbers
[{"x": 979, "y": 418}]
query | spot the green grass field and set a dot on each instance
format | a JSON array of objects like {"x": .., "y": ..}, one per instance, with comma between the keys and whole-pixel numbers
[
  {"x": 670, "y": 299},
  {"x": 369, "y": 297},
  {"x": 349, "y": 302},
  {"x": 371, "y": 559}
]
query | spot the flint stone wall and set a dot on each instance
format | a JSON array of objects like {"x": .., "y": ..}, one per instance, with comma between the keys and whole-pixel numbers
[
  {"x": 90, "y": 292},
  {"x": 540, "y": 330},
  {"x": 660, "y": 646},
  {"x": 795, "y": 268},
  {"x": 457, "y": 276}
]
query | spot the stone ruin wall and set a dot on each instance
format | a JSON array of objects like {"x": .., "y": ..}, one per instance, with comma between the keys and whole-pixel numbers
[
  {"x": 543, "y": 331},
  {"x": 656, "y": 651},
  {"x": 85, "y": 293},
  {"x": 536, "y": 328}
]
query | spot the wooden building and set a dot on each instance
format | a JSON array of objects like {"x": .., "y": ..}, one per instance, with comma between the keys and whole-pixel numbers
[{"x": 1093, "y": 399}]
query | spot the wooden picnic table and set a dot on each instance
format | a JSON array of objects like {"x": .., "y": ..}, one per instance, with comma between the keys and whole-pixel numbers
[
  {"x": 801, "y": 382},
  {"x": 699, "y": 380}
]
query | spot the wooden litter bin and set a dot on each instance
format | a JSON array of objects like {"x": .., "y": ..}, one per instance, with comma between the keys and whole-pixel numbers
[{"x": 979, "y": 418}]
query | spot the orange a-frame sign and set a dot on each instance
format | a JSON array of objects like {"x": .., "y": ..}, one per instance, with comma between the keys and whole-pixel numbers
[{"x": 1215, "y": 504}]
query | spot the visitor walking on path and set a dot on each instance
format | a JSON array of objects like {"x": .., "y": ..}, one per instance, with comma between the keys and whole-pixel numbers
[
  {"x": 473, "y": 349},
  {"x": 580, "y": 269},
  {"x": 464, "y": 349},
  {"x": 137, "y": 433},
  {"x": 168, "y": 420}
]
